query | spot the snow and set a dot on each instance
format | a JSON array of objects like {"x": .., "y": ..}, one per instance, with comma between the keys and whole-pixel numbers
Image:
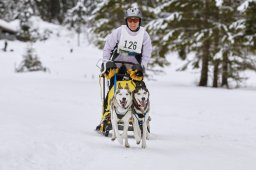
[
  {"x": 218, "y": 2},
  {"x": 47, "y": 120},
  {"x": 218, "y": 55},
  {"x": 173, "y": 16},
  {"x": 7, "y": 26},
  {"x": 245, "y": 5},
  {"x": 42, "y": 26}
]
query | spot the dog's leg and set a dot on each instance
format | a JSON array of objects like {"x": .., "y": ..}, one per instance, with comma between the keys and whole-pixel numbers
[
  {"x": 118, "y": 136},
  {"x": 113, "y": 121},
  {"x": 144, "y": 128},
  {"x": 125, "y": 131},
  {"x": 113, "y": 134},
  {"x": 115, "y": 128},
  {"x": 136, "y": 130},
  {"x": 147, "y": 135},
  {"x": 148, "y": 127}
]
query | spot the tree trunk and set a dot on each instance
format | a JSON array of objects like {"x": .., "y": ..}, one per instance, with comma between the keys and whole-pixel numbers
[
  {"x": 205, "y": 49},
  {"x": 216, "y": 62},
  {"x": 224, "y": 82},
  {"x": 205, "y": 64},
  {"x": 216, "y": 73}
]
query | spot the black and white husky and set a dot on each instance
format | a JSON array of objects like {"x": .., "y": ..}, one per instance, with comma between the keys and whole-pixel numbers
[
  {"x": 141, "y": 113},
  {"x": 120, "y": 109}
]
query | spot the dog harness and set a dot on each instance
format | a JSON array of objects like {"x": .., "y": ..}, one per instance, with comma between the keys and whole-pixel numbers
[
  {"x": 120, "y": 116},
  {"x": 142, "y": 115}
]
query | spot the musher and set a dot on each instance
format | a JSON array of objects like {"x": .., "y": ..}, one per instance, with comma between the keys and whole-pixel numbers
[{"x": 128, "y": 43}]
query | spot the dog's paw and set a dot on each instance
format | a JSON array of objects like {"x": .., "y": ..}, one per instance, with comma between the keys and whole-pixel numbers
[
  {"x": 138, "y": 142},
  {"x": 113, "y": 139},
  {"x": 120, "y": 140},
  {"x": 143, "y": 145},
  {"x": 127, "y": 145}
]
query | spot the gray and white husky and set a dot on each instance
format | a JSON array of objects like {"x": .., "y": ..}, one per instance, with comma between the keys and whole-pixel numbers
[
  {"x": 141, "y": 113},
  {"x": 120, "y": 109}
]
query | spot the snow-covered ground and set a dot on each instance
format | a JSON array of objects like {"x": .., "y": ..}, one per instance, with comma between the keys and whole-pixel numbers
[{"x": 47, "y": 120}]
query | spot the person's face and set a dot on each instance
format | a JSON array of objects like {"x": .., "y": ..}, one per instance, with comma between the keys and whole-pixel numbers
[{"x": 133, "y": 23}]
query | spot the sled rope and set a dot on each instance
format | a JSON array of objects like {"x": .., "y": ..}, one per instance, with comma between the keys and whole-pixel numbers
[{"x": 115, "y": 83}]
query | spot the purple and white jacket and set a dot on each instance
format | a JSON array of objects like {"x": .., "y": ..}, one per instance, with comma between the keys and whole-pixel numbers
[{"x": 114, "y": 38}]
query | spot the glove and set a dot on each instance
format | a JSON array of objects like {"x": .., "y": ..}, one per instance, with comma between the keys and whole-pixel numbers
[
  {"x": 135, "y": 74},
  {"x": 107, "y": 66},
  {"x": 139, "y": 68},
  {"x": 110, "y": 73}
]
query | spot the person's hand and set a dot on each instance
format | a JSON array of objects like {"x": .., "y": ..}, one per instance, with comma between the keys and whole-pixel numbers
[
  {"x": 136, "y": 72},
  {"x": 138, "y": 67},
  {"x": 135, "y": 75},
  {"x": 109, "y": 69},
  {"x": 110, "y": 72},
  {"x": 107, "y": 66}
]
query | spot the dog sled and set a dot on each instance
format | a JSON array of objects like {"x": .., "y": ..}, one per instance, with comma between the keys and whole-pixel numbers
[{"x": 121, "y": 79}]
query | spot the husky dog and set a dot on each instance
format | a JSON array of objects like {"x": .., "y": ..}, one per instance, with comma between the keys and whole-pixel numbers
[
  {"x": 120, "y": 109},
  {"x": 140, "y": 113}
]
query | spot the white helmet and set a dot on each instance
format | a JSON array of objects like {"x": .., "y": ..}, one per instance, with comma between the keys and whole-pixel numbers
[{"x": 133, "y": 12}]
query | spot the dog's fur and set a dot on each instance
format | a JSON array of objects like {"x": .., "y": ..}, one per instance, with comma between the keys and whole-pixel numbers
[
  {"x": 120, "y": 109},
  {"x": 141, "y": 113}
]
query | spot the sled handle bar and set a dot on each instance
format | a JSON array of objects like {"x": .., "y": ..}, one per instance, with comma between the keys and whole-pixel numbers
[
  {"x": 105, "y": 60},
  {"x": 124, "y": 62}
]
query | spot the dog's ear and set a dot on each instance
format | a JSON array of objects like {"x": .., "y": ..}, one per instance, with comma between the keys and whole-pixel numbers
[
  {"x": 143, "y": 84},
  {"x": 119, "y": 86},
  {"x": 140, "y": 84},
  {"x": 127, "y": 87}
]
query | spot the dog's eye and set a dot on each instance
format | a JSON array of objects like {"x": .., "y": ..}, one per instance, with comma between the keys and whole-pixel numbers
[
  {"x": 145, "y": 92},
  {"x": 138, "y": 93}
]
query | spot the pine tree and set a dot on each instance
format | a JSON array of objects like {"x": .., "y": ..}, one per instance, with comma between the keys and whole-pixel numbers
[
  {"x": 185, "y": 26},
  {"x": 9, "y": 10},
  {"x": 77, "y": 18},
  {"x": 251, "y": 25},
  {"x": 2, "y": 10},
  {"x": 54, "y": 10},
  {"x": 235, "y": 58},
  {"x": 213, "y": 30},
  {"x": 25, "y": 24},
  {"x": 30, "y": 61}
]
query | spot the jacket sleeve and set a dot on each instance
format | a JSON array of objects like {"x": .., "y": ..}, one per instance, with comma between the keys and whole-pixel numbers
[
  {"x": 147, "y": 50},
  {"x": 111, "y": 42}
]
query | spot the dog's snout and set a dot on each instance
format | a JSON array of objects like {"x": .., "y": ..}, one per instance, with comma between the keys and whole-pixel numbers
[
  {"x": 143, "y": 98},
  {"x": 123, "y": 98}
]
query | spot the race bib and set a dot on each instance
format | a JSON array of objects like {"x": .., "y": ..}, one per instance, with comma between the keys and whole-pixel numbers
[{"x": 129, "y": 43}]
